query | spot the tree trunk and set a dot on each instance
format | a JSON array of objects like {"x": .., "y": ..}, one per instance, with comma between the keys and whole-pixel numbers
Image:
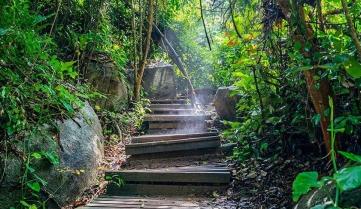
[
  {"x": 167, "y": 47},
  {"x": 304, "y": 34},
  {"x": 139, "y": 74},
  {"x": 351, "y": 27}
]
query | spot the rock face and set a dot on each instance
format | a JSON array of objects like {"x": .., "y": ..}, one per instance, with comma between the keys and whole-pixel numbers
[
  {"x": 103, "y": 74},
  {"x": 80, "y": 151},
  {"x": 225, "y": 103},
  {"x": 159, "y": 81}
]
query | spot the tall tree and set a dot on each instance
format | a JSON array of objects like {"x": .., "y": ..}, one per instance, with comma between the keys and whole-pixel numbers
[{"x": 140, "y": 72}]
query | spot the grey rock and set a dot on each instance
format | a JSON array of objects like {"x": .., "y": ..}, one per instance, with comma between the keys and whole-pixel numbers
[
  {"x": 80, "y": 151},
  {"x": 104, "y": 75},
  {"x": 81, "y": 142},
  {"x": 159, "y": 81},
  {"x": 225, "y": 103}
]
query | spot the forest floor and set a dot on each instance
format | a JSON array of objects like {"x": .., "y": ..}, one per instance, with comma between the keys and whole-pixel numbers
[{"x": 257, "y": 183}]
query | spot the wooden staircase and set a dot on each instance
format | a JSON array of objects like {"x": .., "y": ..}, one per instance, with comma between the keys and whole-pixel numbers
[{"x": 176, "y": 130}]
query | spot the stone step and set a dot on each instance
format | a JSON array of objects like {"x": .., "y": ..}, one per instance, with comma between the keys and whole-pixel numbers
[
  {"x": 175, "y": 118},
  {"x": 211, "y": 142},
  {"x": 171, "y": 106},
  {"x": 168, "y": 137},
  {"x": 169, "y": 101},
  {"x": 189, "y": 180},
  {"x": 136, "y": 202}
]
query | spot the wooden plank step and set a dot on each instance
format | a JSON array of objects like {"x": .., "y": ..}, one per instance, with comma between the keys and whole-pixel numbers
[
  {"x": 173, "y": 145},
  {"x": 169, "y": 101},
  {"x": 110, "y": 202},
  {"x": 171, "y": 106},
  {"x": 165, "y": 190},
  {"x": 170, "y": 110},
  {"x": 185, "y": 175},
  {"x": 189, "y": 117},
  {"x": 166, "y": 137},
  {"x": 180, "y": 125}
]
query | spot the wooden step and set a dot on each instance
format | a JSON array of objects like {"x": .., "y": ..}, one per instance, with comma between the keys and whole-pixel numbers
[
  {"x": 171, "y": 106},
  {"x": 173, "y": 145},
  {"x": 166, "y": 137},
  {"x": 164, "y": 190},
  {"x": 206, "y": 175},
  {"x": 136, "y": 202},
  {"x": 171, "y": 111},
  {"x": 187, "y": 127},
  {"x": 169, "y": 101},
  {"x": 188, "y": 180},
  {"x": 174, "y": 118}
]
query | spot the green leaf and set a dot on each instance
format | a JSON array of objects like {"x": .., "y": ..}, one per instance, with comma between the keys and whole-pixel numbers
[
  {"x": 3, "y": 31},
  {"x": 33, "y": 207},
  {"x": 23, "y": 203},
  {"x": 353, "y": 68},
  {"x": 303, "y": 183},
  {"x": 35, "y": 186},
  {"x": 52, "y": 157},
  {"x": 351, "y": 156},
  {"x": 348, "y": 178},
  {"x": 36, "y": 155}
]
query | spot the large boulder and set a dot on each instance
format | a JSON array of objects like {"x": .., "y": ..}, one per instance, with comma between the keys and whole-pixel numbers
[
  {"x": 205, "y": 95},
  {"x": 103, "y": 74},
  {"x": 159, "y": 81},
  {"x": 79, "y": 149},
  {"x": 225, "y": 103}
]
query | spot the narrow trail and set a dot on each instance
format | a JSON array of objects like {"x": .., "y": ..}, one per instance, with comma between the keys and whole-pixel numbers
[{"x": 178, "y": 164}]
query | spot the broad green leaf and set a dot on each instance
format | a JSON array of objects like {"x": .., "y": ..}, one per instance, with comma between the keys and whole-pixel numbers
[
  {"x": 36, "y": 155},
  {"x": 35, "y": 186},
  {"x": 351, "y": 156},
  {"x": 348, "y": 178},
  {"x": 353, "y": 68},
  {"x": 33, "y": 207},
  {"x": 303, "y": 183}
]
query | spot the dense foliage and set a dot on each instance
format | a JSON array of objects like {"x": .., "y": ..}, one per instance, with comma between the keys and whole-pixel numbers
[
  {"x": 295, "y": 65},
  {"x": 286, "y": 59}
]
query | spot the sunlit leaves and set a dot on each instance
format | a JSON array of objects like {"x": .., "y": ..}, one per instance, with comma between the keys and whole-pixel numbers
[{"x": 353, "y": 68}]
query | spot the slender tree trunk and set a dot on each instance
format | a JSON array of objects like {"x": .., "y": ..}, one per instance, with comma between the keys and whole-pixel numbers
[
  {"x": 204, "y": 25},
  {"x": 140, "y": 72},
  {"x": 167, "y": 47},
  {"x": 351, "y": 27}
]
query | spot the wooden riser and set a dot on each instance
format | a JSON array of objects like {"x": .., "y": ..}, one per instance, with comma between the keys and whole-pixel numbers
[
  {"x": 171, "y": 106},
  {"x": 200, "y": 126},
  {"x": 215, "y": 176},
  {"x": 175, "y": 118},
  {"x": 113, "y": 202},
  {"x": 170, "y": 101},
  {"x": 166, "y": 137},
  {"x": 174, "y": 145},
  {"x": 166, "y": 190}
]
